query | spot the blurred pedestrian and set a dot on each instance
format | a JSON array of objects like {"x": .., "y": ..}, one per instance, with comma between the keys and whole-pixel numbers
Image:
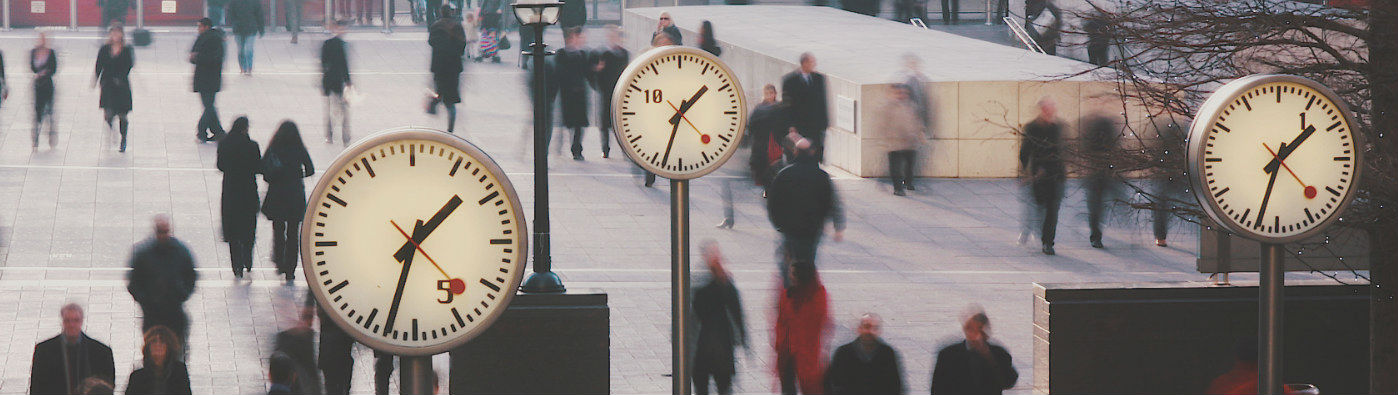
[
  {"x": 1043, "y": 20},
  {"x": 335, "y": 358},
  {"x": 951, "y": 12},
  {"x": 905, "y": 132},
  {"x": 240, "y": 160},
  {"x": 207, "y": 57},
  {"x": 666, "y": 26},
  {"x": 706, "y": 39},
  {"x": 62, "y": 363},
  {"x": 114, "y": 62},
  {"x": 281, "y": 374},
  {"x": 291, "y": 12},
  {"x": 114, "y": 12},
  {"x": 217, "y": 9},
  {"x": 1169, "y": 185},
  {"x": 334, "y": 80},
  {"x": 866, "y": 365},
  {"x": 1041, "y": 164},
  {"x": 492, "y": 21},
  {"x": 472, "y": 25},
  {"x": 161, "y": 279},
  {"x": 298, "y": 342},
  {"x": 905, "y": 10},
  {"x": 96, "y": 386},
  {"x": 803, "y": 92},
  {"x": 284, "y": 166},
  {"x": 1098, "y": 30},
  {"x": 719, "y": 312},
  {"x": 800, "y": 199},
  {"x": 916, "y": 82},
  {"x": 246, "y": 18},
  {"x": 766, "y": 127},
  {"x": 975, "y": 365},
  {"x": 1099, "y": 143},
  {"x": 43, "y": 61},
  {"x": 448, "y": 41},
  {"x": 161, "y": 371},
  {"x": 574, "y": 71},
  {"x": 611, "y": 62},
  {"x": 803, "y": 322}
]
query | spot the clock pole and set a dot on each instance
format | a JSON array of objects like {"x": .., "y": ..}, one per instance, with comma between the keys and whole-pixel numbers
[
  {"x": 1269, "y": 319},
  {"x": 679, "y": 285},
  {"x": 415, "y": 375}
]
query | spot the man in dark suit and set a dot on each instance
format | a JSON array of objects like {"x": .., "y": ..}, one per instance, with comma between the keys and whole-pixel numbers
[
  {"x": 207, "y": 57},
  {"x": 1041, "y": 162},
  {"x": 866, "y": 365},
  {"x": 335, "y": 77},
  {"x": 610, "y": 63},
  {"x": 803, "y": 92},
  {"x": 61, "y": 363},
  {"x": 974, "y": 366}
]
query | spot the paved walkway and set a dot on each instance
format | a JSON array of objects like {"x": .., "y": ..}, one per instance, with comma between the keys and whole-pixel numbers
[{"x": 69, "y": 215}]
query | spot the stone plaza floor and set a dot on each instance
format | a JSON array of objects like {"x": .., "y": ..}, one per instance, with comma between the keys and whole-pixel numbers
[{"x": 69, "y": 216}]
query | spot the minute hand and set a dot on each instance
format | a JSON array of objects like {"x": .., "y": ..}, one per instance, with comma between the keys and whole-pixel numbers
[
  {"x": 420, "y": 233},
  {"x": 686, "y": 104},
  {"x": 1285, "y": 150}
]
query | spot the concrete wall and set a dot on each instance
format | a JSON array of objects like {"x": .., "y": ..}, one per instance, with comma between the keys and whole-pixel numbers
[
  {"x": 1175, "y": 338},
  {"x": 543, "y": 344}
]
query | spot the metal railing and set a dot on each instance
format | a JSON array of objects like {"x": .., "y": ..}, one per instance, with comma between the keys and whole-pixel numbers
[{"x": 1023, "y": 35}]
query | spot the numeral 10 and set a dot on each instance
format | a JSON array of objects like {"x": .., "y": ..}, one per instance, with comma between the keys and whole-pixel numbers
[{"x": 654, "y": 96}]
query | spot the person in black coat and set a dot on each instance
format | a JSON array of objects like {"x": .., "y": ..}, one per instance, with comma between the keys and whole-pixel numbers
[
  {"x": 766, "y": 125},
  {"x": 1043, "y": 20},
  {"x": 865, "y": 366},
  {"x": 1042, "y": 166},
  {"x": 334, "y": 78},
  {"x": 43, "y": 61},
  {"x": 974, "y": 366},
  {"x": 246, "y": 18},
  {"x": 800, "y": 198},
  {"x": 448, "y": 41},
  {"x": 1099, "y": 143},
  {"x": 803, "y": 92},
  {"x": 335, "y": 358},
  {"x": 611, "y": 62},
  {"x": 298, "y": 342},
  {"x": 719, "y": 312},
  {"x": 207, "y": 57},
  {"x": 284, "y": 165},
  {"x": 161, "y": 279},
  {"x": 113, "y": 74},
  {"x": 161, "y": 372},
  {"x": 574, "y": 71},
  {"x": 240, "y": 160},
  {"x": 63, "y": 362},
  {"x": 667, "y": 27}
]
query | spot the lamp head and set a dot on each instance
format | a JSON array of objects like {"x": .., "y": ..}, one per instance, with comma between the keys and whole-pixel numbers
[{"x": 532, "y": 12}]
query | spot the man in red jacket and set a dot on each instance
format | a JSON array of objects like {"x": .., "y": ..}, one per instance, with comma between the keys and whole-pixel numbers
[{"x": 803, "y": 317}]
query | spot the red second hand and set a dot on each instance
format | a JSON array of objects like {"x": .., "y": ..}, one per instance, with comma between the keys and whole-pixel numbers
[
  {"x": 703, "y": 138},
  {"x": 457, "y": 285},
  {"x": 1308, "y": 190}
]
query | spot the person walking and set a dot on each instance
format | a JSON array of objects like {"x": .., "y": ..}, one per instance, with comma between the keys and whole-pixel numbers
[
  {"x": 492, "y": 20},
  {"x": 1169, "y": 186},
  {"x": 448, "y": 41},
  {"x": 161, "y": 279},
  {"x": 334, "y": 358},
  {"x": 766, "y": 125},
  {"x": 246, "y": 18},
  {"x": 905, "y": 10},
  {"x": 1043, "y": 20},
  {"x": 901, "y": 124},
  {"x": 803, "y": 320},
  {"x": 207, "y": 57},
  {"x": 334, "y": 80},
  {"x": 866, "y": 365},
  {"x": 43, "y": 61},
  {"x": 706, "y": 39},
  {"x": 62, "y": 363},
  {"x": 951, "y": 12},
  {"x": 975, "y": 365},
  {"x": 666, "y": 26},
  {"x": 611, "y": 62},
  {"x": 281, "y": 374},
  {"x": 298, "y": 342},
  {"x": 114, "y": 62},
  {"x": 291, "y": 11},
  {"x": 217, "y": 9},
  {"x": 1041, "y": 164},
  {"x": 1099, "y": 143},
  {"x": 240, "y": 160},
  {"x": 284, "y": 166},
  {"x": 719, "y": 311},
  {"x": 803, "y": 91},
  {"x": 800, "y": 199},
  {"x": 161, "y": 371},
  {"x": 574, "y": 70}
]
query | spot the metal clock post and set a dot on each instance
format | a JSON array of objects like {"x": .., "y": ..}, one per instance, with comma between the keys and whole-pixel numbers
[
  {"x": 1244, "y": 138},
  {"x": 537, "y": 14}
]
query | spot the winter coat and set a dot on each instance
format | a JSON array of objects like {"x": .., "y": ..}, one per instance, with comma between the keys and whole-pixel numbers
[
  {"x": 900, "y": 124},
  {"x": 174, "y": 382},
  {"x": 208, "y": 61},
  {"x": 240, "y": 160},
  {"x": 765, "y": 121},
  {"x": 573, "y": 70},
  {"x": 1040, "y": 157},
  {"x": 719, "y": 312},
  {"x": 286, "y": 191},
  {"x": 114, "y": 76},
  {"x": 448, "y": 41},
  {"x": 334, "y": 66},
  {"x": 801, "y": 198},
  {"x": 850, "y": 374},
  {"x": 246, "y": 17},
  {"x": 803, "y": 316},
  {"x": 960, "y": 371},
  {"x": 47, "y": 374}
]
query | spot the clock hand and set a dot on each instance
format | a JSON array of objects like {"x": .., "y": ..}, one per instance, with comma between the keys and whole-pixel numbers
[
  {"x": 398, "y": 294},
  {"x": 419, "y": 234},
  {"x": 419, "y": 249},
  {"x": 1286, "y": 150},
  {"x": 1265, "y": 197},
  {"x": 671, "y": 144},
  {"x": 1308, "y": 190},
  {"x": 702, "y": 135},
  {"x": 686, "y": 104}
]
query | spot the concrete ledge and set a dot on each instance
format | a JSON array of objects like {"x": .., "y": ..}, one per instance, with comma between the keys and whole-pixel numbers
[{"x": 543, "y": 344}]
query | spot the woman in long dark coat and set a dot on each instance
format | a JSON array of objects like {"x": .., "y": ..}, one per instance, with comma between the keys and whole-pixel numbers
[
  {"x": 240, "y": 159},
  {"x": 44, "y": 63},
  {"x": 114, "y": 63},
  {"x": 574, "y": 69},
  {"x": 284, "y": 164},
  {"x": 161, "y": 371}
]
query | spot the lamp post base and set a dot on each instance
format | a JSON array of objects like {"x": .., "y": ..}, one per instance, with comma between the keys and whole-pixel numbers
[{"x": 543, "y": 283}]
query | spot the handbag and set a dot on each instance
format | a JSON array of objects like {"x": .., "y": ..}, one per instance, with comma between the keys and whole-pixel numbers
[{"x": 504, "y": 42}]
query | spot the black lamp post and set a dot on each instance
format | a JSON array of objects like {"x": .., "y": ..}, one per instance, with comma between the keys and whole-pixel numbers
[{"x": 537, "y": 14}]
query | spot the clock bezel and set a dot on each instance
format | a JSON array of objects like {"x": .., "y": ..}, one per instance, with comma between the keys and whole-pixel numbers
[
  {"x": 346, "y": 158},
  {"x": 629, "y": 75},
  {"x": 1209, "y": 113}
]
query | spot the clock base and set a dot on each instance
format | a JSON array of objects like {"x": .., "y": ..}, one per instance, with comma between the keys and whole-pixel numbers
[{"x": 543, "y": 283}]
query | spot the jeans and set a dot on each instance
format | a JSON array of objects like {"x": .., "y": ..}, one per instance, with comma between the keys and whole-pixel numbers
[
  {"x": 286, "y": 242},
  {"x": 241, "y": 253},
  {"x": 336, "y": 107},
  {"x": 208, "y": 122},
  {"x": 900, "y": 168},
  {"x": 245, "y": 44}
]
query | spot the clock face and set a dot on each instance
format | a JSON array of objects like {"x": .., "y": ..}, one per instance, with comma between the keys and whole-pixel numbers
[
  {"x": 413, "y": 242},
  {"x": 1274, "y": 157},
  {"x": 679, "y": 112}
]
